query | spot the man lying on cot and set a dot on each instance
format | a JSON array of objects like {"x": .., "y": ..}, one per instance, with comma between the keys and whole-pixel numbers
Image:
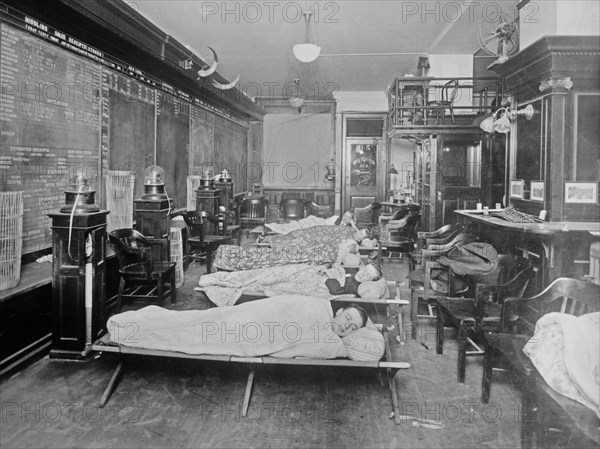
[
  {"x": 369, "y": 272},
  {"x": 284, "y": 326},
  {"x": 320, "y": 233}
]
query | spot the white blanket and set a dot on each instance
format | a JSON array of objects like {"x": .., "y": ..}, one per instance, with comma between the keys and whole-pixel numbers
[
  {"x": 285, "y": 326},
  {"x": 565, "y": 350},
  {"x": 224, "y": 288},
  {"x": 311, "y": 220}
]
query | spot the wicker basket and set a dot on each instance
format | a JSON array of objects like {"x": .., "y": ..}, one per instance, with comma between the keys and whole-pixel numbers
[
  {"x": 119, "y": 199},
  {"x": 193, "y": 182},
  {"x": 176, "y": 244},
  {"x": 11, "y": 238}
]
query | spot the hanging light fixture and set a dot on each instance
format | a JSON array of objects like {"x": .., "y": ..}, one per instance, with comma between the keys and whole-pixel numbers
[
  {"x": 500, "y": 120},
  {"x": 393, "y": 171},
  {"x": 306, "y": 52},
  {"x": 297, "y": 101}
]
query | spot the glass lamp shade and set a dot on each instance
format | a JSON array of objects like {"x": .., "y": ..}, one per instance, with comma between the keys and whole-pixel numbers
[
  {"x": 296, "y": 102},
  {"x": 154, "y": 176},
  {"x": 502, "y": 125},
  {"x": 487, "y": 125},
  {"x": 78, "y": 183},
  {"x": 154, "y": 183},
  {"x": 306, "y": 52},
  {"x": 79, "y": 197}
]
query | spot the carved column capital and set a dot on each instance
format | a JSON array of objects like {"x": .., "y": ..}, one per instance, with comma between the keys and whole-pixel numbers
[{"x": 555, "y": 82}]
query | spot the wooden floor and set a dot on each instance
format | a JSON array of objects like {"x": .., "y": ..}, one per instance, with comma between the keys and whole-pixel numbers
[{"x": 164, "y": 403}]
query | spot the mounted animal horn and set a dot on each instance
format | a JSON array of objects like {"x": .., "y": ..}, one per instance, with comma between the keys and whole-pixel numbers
[
  {"x": 220, "y": 86},
  {"x": 206, "y": 71}
]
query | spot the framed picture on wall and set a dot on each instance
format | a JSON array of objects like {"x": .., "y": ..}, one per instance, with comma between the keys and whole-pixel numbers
[
  {"x": 537, "y": 191},
  {"x": 517, "y": 186},
  {"x": 581, "y": 192}
]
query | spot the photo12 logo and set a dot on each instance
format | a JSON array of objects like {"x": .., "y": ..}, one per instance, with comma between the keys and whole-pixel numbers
[
  {"x": 268, "y": 11},
  {"x": 466, "y": 10}
]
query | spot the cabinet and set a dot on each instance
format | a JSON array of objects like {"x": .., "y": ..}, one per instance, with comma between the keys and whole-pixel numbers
[
  {"x": 79, "y": 249},
  {"x": 452, "y": 171},
  {"x": 555, "y": 153}
]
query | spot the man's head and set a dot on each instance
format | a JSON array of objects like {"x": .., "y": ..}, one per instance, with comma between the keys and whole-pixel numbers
[
  {"x": 349, "y": 319},
  {"x": 369, "y": 272},
  {"x": 347, "y": 217}
]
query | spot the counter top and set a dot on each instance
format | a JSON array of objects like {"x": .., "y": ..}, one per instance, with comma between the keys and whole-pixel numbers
[{"x": 591, "y": 227}]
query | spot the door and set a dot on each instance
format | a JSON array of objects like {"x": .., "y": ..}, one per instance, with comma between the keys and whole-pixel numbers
[{"x": 361, "y": 159}]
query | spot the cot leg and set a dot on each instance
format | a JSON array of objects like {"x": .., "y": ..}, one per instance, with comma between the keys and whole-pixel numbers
[
  {"x": 112, "y": 384},
  {"x": 401, "y": 324},
  {"x": 248, "y": 392},
  {"x": 393, "y": 393},
  {"x": 390, "y": 375}
]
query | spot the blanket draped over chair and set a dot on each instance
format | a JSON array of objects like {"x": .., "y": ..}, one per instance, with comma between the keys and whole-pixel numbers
[
  {"x": 284, "y": 326},
  {"x": 565, "y": 350}
]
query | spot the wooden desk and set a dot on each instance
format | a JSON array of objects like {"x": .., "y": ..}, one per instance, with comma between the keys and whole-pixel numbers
[{"x": 562, "y": 242}]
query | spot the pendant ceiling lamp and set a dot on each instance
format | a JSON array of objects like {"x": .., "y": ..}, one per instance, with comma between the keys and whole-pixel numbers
[{"x": 306, "y": 52}]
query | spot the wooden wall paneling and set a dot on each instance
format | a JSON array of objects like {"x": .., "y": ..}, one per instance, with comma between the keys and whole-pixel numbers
[{"x": 172, "y": 135}]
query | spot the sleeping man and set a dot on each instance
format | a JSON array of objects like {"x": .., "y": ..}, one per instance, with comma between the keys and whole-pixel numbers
[
  {"x": 321, "y": 234},
  {"x": 281, "y": 326},
  {"x": 369, "y": 272}
]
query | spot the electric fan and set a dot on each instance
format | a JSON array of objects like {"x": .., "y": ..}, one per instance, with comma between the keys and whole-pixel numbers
[{"x": 499, "y": 39}]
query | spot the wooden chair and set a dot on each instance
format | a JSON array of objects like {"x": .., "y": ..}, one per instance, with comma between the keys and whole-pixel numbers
[
  {"x": 441, "y": 236},
  {"x": 399, "y": 236},
  {"x": 142, "y": 278},
  {"x": 469, "y": 315},
  {"x": 253, "y": 212},
  {"x": 539, "y": 401},
  {"x": 449, "y": 92},
  {"x": 200, "y": 246}
]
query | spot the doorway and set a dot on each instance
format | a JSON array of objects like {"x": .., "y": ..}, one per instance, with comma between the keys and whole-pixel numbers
[{"x": 363, "y": 161}]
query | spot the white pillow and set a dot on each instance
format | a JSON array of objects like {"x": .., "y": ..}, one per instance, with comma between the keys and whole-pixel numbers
[
  {"x": 373, "y": 289},
  {"x": 365, "y": 344}
]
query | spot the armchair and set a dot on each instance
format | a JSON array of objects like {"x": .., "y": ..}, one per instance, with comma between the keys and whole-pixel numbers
[
  {"x": 421, "y": 290},
  {"x": 471, "y": 315},
  {"x": 539, "y": 402},
  {"x": 441, "y": 236},
  {"x": 200, "y": 245},
  {"x": 253, "y": 212},
  {"x": 400, "y": 236},
  {"x": 142, "y": 278},
  {"x": 292, "y": 209}
]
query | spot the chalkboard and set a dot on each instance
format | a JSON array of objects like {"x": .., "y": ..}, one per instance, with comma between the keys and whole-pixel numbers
[
  {"x": 50, "y": 126},
  {"x": 78, "y": 109},
  {"x": 231, "y": 142},
  {"x": 127, "y": 126},
  {"x": 172, "y": 138},
  {"x": 202, "y": 140}
]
